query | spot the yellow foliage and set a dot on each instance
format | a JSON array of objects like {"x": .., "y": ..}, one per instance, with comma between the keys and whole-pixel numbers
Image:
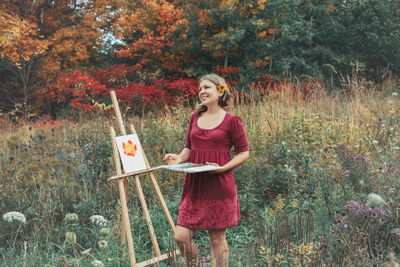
[
  {"x": 20, "y": 40},
  {"x": 301, "y": 254}
]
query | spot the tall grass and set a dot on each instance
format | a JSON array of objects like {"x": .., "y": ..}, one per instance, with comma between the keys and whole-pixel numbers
[{"x": 289, "y": 190}]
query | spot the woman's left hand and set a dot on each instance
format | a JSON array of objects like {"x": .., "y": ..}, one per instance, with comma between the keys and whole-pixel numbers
[{"x": 218, "y": 171}]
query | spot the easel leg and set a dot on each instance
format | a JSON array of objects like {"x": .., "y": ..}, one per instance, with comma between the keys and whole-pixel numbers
[
  {"x": 126, "y": 227},
  {"x": 123, "y": 232}
]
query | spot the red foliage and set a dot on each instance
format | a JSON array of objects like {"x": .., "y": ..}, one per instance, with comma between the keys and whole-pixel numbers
[
  {"x": 179, "y": 91},
  {"x": 114, "y": 76},
  {"x": 141, "y": 96},
  {"x": 76, "y": 90},
  {"x": 79, "y": 91},
  {"x": 230, "y": 74}
]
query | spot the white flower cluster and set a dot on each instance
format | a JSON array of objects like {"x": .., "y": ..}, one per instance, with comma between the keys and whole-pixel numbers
[
  {"x": 97, "y": 263},
  {"x": 99, "y": 220},
  {"x": 13, "y": 216}
]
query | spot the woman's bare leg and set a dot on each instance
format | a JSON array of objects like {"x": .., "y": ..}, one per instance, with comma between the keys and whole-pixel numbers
[
  {"x": 220, "y": 251},
  {"x": 184, "y": 239}
]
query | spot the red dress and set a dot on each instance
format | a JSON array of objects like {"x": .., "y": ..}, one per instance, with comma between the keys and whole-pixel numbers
[{"x": 209, "y": 201}]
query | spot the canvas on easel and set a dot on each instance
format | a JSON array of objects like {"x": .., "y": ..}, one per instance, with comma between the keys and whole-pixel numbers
[{"x": 130, "y": 152}]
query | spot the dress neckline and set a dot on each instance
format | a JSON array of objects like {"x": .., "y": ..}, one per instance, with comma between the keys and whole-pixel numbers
[{"x": 211, "y": 128}]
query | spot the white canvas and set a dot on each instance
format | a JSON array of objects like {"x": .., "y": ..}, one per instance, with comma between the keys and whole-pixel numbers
[{"x": 131, "y": 153}]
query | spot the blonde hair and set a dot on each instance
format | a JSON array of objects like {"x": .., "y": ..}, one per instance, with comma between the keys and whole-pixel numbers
[{"x": 222, "y": 100}]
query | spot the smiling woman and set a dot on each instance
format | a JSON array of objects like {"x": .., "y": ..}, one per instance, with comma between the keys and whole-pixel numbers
[{"x": 209, "y": 199}]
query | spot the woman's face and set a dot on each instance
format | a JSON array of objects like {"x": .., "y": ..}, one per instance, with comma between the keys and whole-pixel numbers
[{"x": 208, "y": 93}]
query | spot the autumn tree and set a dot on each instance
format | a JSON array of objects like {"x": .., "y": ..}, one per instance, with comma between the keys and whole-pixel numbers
[
  {"x": 145, "y": 27},
  {"x": 41, "y": 38},
  {"x": 21, "y": 45}
]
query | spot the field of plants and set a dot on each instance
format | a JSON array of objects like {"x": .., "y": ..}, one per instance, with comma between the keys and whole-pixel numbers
[{"x": 321, "y": 187}]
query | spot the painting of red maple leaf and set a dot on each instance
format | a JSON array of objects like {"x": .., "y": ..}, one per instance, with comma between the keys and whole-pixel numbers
[{"x": 129, "y": 148}]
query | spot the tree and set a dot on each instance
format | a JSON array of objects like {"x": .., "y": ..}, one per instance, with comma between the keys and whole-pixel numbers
[
  {"x": 145, "y": 27},
  {"x": 21, "y": 45}
]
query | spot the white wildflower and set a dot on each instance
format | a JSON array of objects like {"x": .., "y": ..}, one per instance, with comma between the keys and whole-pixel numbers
[
  {"x": 98, "y": 220},
  {"x": 383, "y": 125},
  {"x": 86, "y": 252},
  {"x": 102, "y": 244},
  {"x": 391, "y": 129},
  {"x": 70, "y": 238},
  {"x": 286, "y": 166},
  {"x": 396, "y": 147},
  {"x": 375, "y": 200},
  {"x": 356, "y": 146},
  {"x": 71, "y": 218},
  {"x": 394, "y": 94},
  {"x": 283, "y": 143},
  {"x": 105, "y": 232},
  {"x": 14, "y": 216},
  {"x": 288, "y": 151},
  {"x": 375, "y": 142},
  {"x": 97, "y": 263}
]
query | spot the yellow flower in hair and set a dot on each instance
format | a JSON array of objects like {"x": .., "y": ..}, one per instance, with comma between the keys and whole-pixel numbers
[{"x": 221, "y": 88}]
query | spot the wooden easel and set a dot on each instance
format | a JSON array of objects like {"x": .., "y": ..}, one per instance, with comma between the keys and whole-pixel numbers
[{"x": 126, "y": 234}]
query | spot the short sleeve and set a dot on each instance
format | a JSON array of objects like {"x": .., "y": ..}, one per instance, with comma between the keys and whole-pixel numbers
[
  {"x": 238, "y": 135},
  {"x": 188, "y": 144}
]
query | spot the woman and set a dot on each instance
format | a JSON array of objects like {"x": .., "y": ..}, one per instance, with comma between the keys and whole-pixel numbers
[{"x": 209, "y": 199}]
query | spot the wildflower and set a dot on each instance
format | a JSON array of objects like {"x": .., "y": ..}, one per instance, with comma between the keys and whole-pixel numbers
[
  {"x": 391, "y": 129},
  {"x": 71, "y": 218},
  {"x": 383, "y": 125},
  {"x": 294, "y": 203},
  {"x": 272, "y": 213},
  {"x": 345, "y": 225},
  {"x": 102, "y": 244},
  {"x": 99, "y": 220},
  {"x": 286, "y": 166},
  {"x": 70, "y": 238},
  {"x": 375, "y": 200},
  {"x": 86, "y": 252},
  {"x": 97, "y": 263},
  {"x": 14, "y": 216},
  {"x": 347, "y": 171},
  {"x": 105, "y": 232},
  {"x": 396, "y": 147},
  {"x": 394, "y": 94},
  {"x": 283, "y": 143},
  {"x": 395, "y": 232},
  {"x": 221, "y": 88},
  {"x": 375, "y": 142},
  {"x": 279, "y": 204}
]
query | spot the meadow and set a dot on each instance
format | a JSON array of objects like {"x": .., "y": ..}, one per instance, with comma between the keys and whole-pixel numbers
[{"x": 321, "y": 187}]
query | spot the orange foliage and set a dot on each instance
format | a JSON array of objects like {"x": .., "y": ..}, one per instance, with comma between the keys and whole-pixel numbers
[
  {"x": 20, "y": 40},
  {"x": 147, "y": 26}
]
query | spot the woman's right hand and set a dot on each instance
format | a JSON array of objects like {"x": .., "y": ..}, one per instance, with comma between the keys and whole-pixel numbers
[{"x": 172, "y": 159}]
